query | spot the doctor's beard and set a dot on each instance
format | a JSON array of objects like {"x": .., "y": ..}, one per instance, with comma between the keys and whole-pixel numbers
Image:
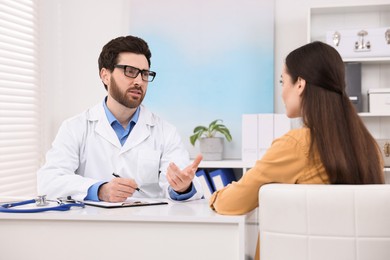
[{"x": 122, "y": 96}]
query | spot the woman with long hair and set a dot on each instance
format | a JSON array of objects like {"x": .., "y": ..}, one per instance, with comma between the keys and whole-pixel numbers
[{"x": 332, "y": 147}]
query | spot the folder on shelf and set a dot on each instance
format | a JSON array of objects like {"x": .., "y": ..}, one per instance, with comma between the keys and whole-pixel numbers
[
  {"x": 250, "y": 151},
  {"x": 208, "y": 187},
  {"x": 282, "y": 124},
  {"x": 265, "y": 132},
  {"x": 259, "y": 131},
  {"x": 222, "y": 177}
]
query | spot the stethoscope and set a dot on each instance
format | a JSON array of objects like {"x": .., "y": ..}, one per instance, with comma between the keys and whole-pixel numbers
[{"x": 41, "y": 201}]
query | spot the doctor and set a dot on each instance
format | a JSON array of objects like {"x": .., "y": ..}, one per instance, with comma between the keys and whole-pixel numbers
[{"x": 120, "y": 136}]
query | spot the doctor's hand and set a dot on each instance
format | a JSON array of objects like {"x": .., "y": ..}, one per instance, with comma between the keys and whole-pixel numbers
[
  {"x": 180, "y": 180},
  {"x": 117, "y": 190}
]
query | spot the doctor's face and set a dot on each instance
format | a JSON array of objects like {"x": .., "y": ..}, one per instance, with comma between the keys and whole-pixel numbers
[{"x": 129, "y": 92}]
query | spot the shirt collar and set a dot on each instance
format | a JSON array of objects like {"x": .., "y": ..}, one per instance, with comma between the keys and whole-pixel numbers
[{"x": 111, "y": 118}]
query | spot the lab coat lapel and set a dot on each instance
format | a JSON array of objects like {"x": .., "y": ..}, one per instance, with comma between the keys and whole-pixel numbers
[
  {"x": 103, "y": 128},
  {"x": 141, "y": 130}
]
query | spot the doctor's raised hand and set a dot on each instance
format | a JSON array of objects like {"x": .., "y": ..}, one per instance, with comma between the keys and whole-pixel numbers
[{"x": 180, "y": 180}]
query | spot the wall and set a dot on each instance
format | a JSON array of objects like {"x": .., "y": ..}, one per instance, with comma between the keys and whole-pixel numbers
[
  {"x": 72, "y": 28},
  {"x": 213, "y": 66},
  {"x": 73, "y": 34}
]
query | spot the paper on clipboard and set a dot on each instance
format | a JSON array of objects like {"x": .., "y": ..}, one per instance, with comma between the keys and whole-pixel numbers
[{"x": 130, "y": 202}]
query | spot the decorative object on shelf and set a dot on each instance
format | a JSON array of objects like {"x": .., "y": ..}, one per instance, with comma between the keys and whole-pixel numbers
[
  {"x": 360, "y": 45},
  {"x": 386, "y": 149},
  {"x": 336, "y": 38},
  {"x": 384, "y": 145},
  {"x": 379, "y": 100},
  {"x": 211, "y": 146}
]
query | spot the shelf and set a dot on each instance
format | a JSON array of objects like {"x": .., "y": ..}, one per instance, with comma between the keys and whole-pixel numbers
[
  {"x": 373, "y": 60},
  {"x": 226, "y": 164},
  {"x": 368, "y": 114},
  {"x": 350, "y": 9}
]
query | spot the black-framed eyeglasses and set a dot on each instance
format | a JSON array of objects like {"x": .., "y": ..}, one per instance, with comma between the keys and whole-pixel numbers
[{"x": 132, "y": 72}]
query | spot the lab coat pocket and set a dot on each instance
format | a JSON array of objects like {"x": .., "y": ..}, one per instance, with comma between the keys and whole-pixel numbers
[{"x": 148, "y": 166}]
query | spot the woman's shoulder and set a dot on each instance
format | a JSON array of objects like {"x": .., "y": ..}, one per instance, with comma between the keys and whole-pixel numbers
[
  {"x": 300, "y": 134},
  {"x": 298, "y": 138}
]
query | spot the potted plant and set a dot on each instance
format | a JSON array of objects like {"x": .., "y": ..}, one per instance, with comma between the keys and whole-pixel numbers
[{"x": 211, "y": 146}]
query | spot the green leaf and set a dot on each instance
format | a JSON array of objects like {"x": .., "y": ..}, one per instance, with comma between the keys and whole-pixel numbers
[
  {"x": 210, "y": 131},
  {"x": 200, "y": 129},
  {"x": 226, "y": 133}
]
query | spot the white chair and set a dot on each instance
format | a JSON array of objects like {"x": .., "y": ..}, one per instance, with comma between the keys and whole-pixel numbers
[{"x": 324, "y": 222}]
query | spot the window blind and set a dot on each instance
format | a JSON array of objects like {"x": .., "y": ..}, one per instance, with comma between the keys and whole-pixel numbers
[{"x": 20, "y": 138}]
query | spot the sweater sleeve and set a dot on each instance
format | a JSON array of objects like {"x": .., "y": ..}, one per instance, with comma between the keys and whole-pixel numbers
[{"x": 283, "y": 162}]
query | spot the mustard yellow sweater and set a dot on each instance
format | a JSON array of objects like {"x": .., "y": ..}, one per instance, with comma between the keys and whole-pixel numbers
[{"x": 286, "y": 161}]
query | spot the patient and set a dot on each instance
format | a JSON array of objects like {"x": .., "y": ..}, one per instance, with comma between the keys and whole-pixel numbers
[{"x": 332, "y": 147}]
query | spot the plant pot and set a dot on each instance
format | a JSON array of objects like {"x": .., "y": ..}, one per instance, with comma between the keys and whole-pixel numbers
[{"x": 211, "y": 148}]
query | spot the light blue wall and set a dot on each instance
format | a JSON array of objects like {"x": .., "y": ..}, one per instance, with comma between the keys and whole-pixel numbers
[{"x": 214, "y": 60}]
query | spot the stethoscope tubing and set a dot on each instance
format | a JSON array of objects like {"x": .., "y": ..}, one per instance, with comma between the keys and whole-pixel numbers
[
  {"x": 8, "y": 208},
  {"x": 20, "y": 203}
]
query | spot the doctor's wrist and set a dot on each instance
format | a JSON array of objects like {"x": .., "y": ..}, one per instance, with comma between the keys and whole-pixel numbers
[
  {"x": 100, "y": 192},
  {"x": 185, "y": 191}
]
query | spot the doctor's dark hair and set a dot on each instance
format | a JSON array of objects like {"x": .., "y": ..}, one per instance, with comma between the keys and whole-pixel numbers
[
  {"x": 109, "y": 55},
  {"x": 347, "y": 150}
]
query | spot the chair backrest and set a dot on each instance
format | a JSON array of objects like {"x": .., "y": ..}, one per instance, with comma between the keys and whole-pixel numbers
[{"x": 324, "y": 222}]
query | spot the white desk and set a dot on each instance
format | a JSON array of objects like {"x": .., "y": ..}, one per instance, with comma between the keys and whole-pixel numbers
[{"x": 180, "y": 230}]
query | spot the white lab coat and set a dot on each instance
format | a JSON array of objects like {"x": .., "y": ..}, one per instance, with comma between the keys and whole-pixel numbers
[{"x": 86, "y": 150}]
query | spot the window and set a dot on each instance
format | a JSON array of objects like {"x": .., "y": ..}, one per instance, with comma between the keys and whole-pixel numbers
[{"x": 20, "y": 140}]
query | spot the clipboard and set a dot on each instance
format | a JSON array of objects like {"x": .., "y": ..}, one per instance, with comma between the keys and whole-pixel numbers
[{"x": 126, "y": 204}]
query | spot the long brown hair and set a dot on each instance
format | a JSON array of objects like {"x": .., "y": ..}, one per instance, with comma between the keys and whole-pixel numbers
[{"x": 347, "y": 150}]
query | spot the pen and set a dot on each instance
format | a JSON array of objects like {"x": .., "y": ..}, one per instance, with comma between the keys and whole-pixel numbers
[{"x": 117, "y": 176}]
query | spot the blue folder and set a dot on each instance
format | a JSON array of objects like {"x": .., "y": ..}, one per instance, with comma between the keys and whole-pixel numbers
[
  {"x": 222, "y": 177},
  {"x": 208, "y": 187}
]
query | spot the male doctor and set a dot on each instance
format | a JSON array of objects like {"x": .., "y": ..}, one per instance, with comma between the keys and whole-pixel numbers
[{"x": 120, "y": 137}]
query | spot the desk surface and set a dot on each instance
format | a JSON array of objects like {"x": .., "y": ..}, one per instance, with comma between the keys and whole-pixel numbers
[
  {"x": 189, "y": 211},
  {"x": 173, "y": 230}
]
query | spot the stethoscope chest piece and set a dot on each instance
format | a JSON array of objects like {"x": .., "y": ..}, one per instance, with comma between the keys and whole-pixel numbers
[{"x": 41, "y": 201}]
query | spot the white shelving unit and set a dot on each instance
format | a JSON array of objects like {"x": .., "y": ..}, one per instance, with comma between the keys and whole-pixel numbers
[{"x": 375, "y": 70}]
